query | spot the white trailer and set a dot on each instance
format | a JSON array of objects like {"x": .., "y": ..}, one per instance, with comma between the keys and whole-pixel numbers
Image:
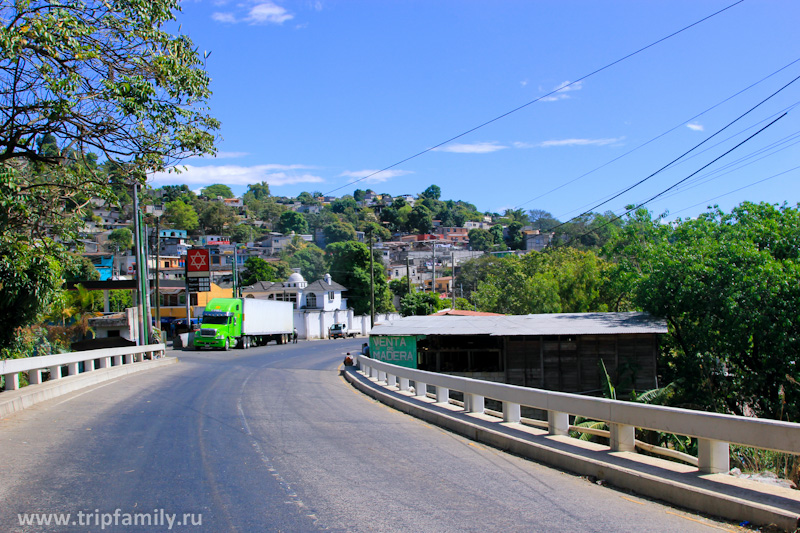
[{"x": 267, "y": 320}]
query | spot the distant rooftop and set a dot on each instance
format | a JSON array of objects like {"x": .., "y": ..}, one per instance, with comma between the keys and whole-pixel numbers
[{"x": 544, "y": 324}]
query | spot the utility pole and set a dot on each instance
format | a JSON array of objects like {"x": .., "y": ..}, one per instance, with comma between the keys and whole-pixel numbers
[
  {"x": 408, "y": 273},
  {"x": 433, "y": 264},
  {"x": 141, "y": 291},
  {"x": 235, "y": 274},
  {"x": 453, "y": 276},
  {"x": 371, "y": 285},
  {"x": 158, "y": 265}
]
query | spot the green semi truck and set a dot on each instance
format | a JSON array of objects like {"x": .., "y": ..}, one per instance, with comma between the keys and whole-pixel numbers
[{"x": 244, "y": 322}]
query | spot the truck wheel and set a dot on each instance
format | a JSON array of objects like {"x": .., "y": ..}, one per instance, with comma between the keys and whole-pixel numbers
[
  {"x": 227, "y": 345},
  {"x": 246, "y": 343}
]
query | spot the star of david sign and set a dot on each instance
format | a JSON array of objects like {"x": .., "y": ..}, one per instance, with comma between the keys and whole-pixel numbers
[{"x": 198, "y": 260}]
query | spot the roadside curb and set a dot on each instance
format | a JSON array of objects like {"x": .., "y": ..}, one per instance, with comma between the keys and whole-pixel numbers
[
  {"x": 713, "y": 494},
  {"x": 17, "y": 400}
]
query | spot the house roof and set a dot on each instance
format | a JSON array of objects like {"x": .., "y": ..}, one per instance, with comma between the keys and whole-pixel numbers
[
  {"x": 544, "y": 324},
  {"x": 316, "y": 286}
]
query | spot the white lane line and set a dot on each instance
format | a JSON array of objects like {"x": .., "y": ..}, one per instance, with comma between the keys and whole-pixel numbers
[{"x": 85, "y": 392}]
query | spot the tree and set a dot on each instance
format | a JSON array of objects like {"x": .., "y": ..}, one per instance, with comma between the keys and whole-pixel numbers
[
  {"x": 339, "y": 231},
  {"x": 291, "y": 221},
  {"x": 256, "y": 191},
  {"x": 121, "y": 238},
  {"x": 217, "y": 190},
  {"x": 359, "y": 195},
  {"x": 348, "y": 264},
  {"x": 433, "y": 192},
  {"x": 170, "y": 193},
  {"x": 81, "y": 77},
  {"x": 216, "y": 217},
  {"x": 309, "y": 258},
  {"x": 182, "y": 216},
  {"x": 80, "y": 268},
  {"x": 420, "y": 219},
  {"x": 243, "y": 233},
  {"x": 422, "y": 303},
  {"x": 480, "y": 239},
  {"x": 727, "y": 284},
  {"x": 542, "y": 220},
  {"x": 256, "y": 269}
]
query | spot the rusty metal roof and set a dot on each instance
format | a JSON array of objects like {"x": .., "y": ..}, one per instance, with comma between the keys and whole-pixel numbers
[{"x": 545, "y": 324}]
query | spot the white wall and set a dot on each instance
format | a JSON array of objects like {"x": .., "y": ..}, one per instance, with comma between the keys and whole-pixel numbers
[{"x": 314, "y": 324}]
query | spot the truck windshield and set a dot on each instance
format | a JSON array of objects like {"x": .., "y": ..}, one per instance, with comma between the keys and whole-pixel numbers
[{"x": 215, "y": 319}]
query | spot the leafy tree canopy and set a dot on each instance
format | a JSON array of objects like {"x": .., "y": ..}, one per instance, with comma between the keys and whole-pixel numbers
[
  {"x": 291, "y": 221},
  {"x": 216, "y": 190}
]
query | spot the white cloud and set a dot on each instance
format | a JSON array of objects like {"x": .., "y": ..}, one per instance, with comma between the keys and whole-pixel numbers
[
  {"x": 237, "y": 175},
  {"x": 268, "y": 13},
  {"x": 695, "y": 126},
  {"x": 561, "y": 91},
  {"x": 227, "y": 18},
  {"x": 379, "y": 177},
  {"x": 579, "y": 142},
  {"x": 474, "y": 148}
]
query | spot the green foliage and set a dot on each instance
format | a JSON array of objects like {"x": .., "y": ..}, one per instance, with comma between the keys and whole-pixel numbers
[
  {"x": 216, "y": 218},
  {"x": 433, "y": 192},
  {"x": 420, "y": 220},
  {"x": 561, "y": 281},
  {"x": 309, "y": 258},
  {"x": 80, "y": 268},
  {"x": 399, "y": 287},
  {"x": 291, "y": 221},
  {"x": 30, "y": 275},
  {"x": 728, "y": 284},
  {"x": 338, "y": 232},
  {"x": 181, "y": 215},
  {"x": 256, "y": 269},
  {"x": 243, "y": 233},
  {"x": 212, "y": 192},
  {"x": 122, "y": 239},
  {"x": 422, "y": 303},
  {"x": 348, "y": 264},
  {"x": 481, "y": 239}
]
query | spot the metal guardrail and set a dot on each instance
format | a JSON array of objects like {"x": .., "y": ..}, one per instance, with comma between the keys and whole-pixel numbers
[
  {"x": 91, "y": 359},
  {"x": 714, "y": 431}
]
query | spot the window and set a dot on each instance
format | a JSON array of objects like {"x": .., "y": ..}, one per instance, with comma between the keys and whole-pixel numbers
[
  {"x": 330, "y": 296},
  {"x": 311, "y": 301}
]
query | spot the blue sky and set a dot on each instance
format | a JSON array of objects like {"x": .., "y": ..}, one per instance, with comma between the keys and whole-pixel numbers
[{"x": 313, "y": 95}]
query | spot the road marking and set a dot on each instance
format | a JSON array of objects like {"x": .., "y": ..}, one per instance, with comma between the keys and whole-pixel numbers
[
  {"x": 84, "y": 392},
  {"x": 700, "y": 522},
  {"x": 634, "y": 501}
]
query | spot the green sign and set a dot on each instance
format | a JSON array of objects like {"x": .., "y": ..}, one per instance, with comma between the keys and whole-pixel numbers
[{"x": 400, "y": 351}]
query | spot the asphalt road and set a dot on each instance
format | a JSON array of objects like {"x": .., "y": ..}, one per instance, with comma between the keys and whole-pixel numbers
[{"x": 273, "y": 439}]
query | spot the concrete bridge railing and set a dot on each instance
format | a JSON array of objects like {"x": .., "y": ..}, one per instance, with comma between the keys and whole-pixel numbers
[
  {"x": 715, "y": 432},
  {"x": 91, "y": 359}
]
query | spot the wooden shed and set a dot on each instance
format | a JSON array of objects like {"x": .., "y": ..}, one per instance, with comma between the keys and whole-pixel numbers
[{"x": 559, "y": 351}]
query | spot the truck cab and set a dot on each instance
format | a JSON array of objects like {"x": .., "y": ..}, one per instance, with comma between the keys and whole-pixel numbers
[{"x": 221, "y": 325}]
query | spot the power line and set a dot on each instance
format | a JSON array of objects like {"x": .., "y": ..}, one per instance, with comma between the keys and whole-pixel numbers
[
  {"x": 659, "y": 136},
  {"x": 739, "y": 189},
  {"x": 674, "y": 184},
  {"x": 692, "y": 149},
  {"x": 523, "y": 106}
]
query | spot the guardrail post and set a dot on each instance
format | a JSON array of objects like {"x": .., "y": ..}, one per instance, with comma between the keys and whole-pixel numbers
[
  {"x": 72, "y": 369},
  {"x": 391, "y": 380},
  {"x": 88, "y": 366},
  {"x": 116, "y": 360},
  {"x": 104, "y": 362},
  {"x": 420, "y": 389},
  {"x": 55, "y": 372},
  {"x": 373, "y": 373},
  {"x": 442, "y": 394},
  {"x": 35, "y": 376},
  {"x": 403, "y": 383},
  {"x": 381, "y": 376},
  {"x": 623, "y": 438},
  {"x": 12, "y": 381},
  {"x": 473, "y": 403},
  {"x": 713, "y": 456},
  {"x": 557, "y": 423},
  {"x": 511, "y": 412},
  {"x": 127, "y": 359}
]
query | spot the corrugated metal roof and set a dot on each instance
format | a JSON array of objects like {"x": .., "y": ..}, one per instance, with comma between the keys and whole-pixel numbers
[{"x": 545, "y": 324}]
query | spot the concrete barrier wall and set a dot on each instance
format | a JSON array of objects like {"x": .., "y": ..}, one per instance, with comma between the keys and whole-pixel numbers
[
  {"x": 714, "y": 431},
  {"x": 91, "y": 359}
]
